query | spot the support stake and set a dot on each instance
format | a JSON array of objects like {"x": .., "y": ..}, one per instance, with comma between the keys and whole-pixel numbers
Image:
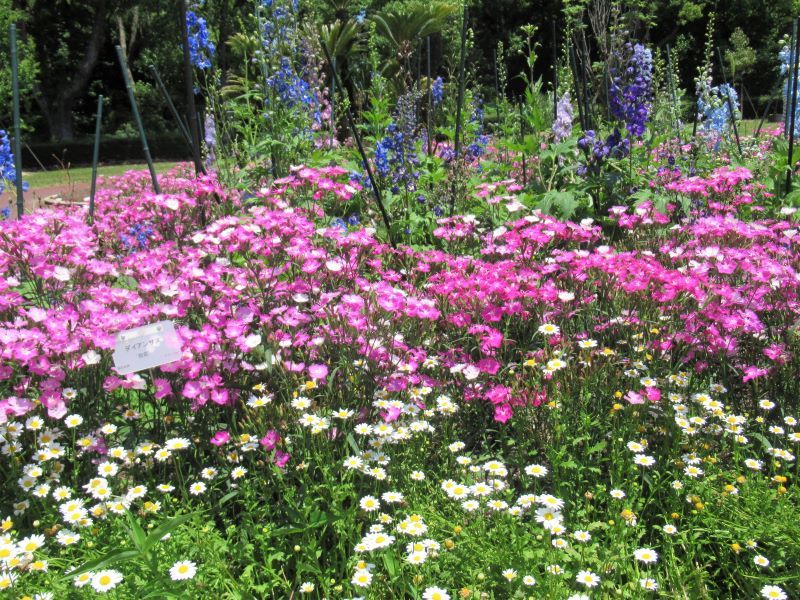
[
  {"x": 730, "y": 103},
  {"x": 175, "y": 114},
  {"x": 459, "y": 107},
  {"x": 793, "y": 116},
  {"x": 351, "y": 123},
  {"x": 138, "y": 118},
  {"x": 95, "y": 156},
  {"x": 191, "y": 108},
  {"x": 17, "y": 133}
]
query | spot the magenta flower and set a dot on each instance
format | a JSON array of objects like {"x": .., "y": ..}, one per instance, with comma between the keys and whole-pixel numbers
[
  {"x": 281, "y": 458},
  {"x": 271, "y": 440},
  {"x": 317, "y": 372},
  {"x": 221, "y": 438},
  {"x": 502, "y": 413}
]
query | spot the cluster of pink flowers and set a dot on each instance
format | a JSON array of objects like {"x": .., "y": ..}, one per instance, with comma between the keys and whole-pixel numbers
[{"x": 268, "y": 287}]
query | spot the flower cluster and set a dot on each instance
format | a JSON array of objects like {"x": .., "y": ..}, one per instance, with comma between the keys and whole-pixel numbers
[
  {"x": 630, "y": 91},
  {"x": 784, "y": 57},
  {"x": 437, "y": 92},
  {"x": 8, "y": 170},
  {"x": 201, "y": 48},
  {"x": 714, "y": 108},
  {"x": 291, "y": 89},
  {"x": 562, "y": 126},
  {"x": 396, "y": 154}
]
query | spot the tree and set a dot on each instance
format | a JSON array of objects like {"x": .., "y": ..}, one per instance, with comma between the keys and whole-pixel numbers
[
  {"x": 68, "y": 40},
  {"x": 27, "y": 62}
]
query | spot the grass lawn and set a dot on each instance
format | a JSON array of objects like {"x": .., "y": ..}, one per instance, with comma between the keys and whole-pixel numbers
[{"x": 83, "y": 175}]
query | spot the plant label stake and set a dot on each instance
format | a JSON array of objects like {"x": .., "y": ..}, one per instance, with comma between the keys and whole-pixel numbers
[
  {"x": 146, "y": 347},
  {"x": 17, "y": 134},
  {"x": 138, "y": 118},
  {"x": 95, "y": 156}
]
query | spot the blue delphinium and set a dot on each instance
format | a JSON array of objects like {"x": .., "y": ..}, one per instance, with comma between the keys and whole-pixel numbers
[
  {"x": 201, "y": 48},
  {"x": 630, "y": 95},
  {"x": 785, "y": 57},
  {"x": 290, "y": 88},
  {"x": 631, "y": 89},
  {"x": 8, "y": 170},
  {"x": 437, "y": 91},
  {"x": 477, "y": 147},
  {"x": 597, "y": 150},
  {"x": 714, "y": 109},
  {"x": 396, "y": 154}
]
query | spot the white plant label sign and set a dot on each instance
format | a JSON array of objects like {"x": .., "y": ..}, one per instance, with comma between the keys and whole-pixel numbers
[{"x": 146, "y": 347}]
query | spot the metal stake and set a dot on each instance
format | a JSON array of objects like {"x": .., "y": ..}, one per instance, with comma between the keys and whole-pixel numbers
[
  {"x": 17, "y": 134},
  {"x": 138, "y": 118},
  {"x": 95, "y": 156},
  {"x": 459, "y": 106},
  {"x": 188, "y": 74},
  {"x": 168, "y": 99},
  {"x": 351, "y": 123}
]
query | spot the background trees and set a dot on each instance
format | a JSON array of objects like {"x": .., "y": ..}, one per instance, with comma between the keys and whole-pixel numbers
[{"x": 68, "y": 46}]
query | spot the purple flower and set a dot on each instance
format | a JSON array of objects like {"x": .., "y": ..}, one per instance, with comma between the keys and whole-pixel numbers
[
  {"x": 562, "y": 127},
  {"x": 437, "y": 92},
  {"x": 631, "y": 89}
]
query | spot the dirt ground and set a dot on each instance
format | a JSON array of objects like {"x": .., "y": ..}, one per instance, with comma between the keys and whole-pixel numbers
[{"x": 34, "y": 198}]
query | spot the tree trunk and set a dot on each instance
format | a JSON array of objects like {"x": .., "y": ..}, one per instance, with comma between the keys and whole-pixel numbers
[{"x": 57, "y": 107}]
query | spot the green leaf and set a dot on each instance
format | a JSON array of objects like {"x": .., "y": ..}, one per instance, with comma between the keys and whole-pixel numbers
[
  {"x": 138, "y": 536},
  {"x": 112, "y": 558},
  {"x": 353, "y": 444},
  {"x": 227, "y": 498},
  {"x": 390, "y": 562},
  {"x": 166, "y": 527},
  {"x": 598, "y": 447}
]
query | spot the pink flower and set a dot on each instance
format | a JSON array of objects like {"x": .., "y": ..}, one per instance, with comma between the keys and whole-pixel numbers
[
  {"x": 271, "y": 440},
  {"x": 317, "y": 372},
  {"x": 391, "y": 414},
  {"x": 281, "y": 458},
  {"x": 502, "y": 413},
  {"x": 653, "y": 394},
  {"x": 634, "y": 398},
  {"x": 753, "y": 372},
  {"x": 221, "y": 438},
  {"x": 163, "y": 388}
]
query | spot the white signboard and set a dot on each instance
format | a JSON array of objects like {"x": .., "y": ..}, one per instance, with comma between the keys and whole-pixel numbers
[{"x": 146, "y": 347}]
